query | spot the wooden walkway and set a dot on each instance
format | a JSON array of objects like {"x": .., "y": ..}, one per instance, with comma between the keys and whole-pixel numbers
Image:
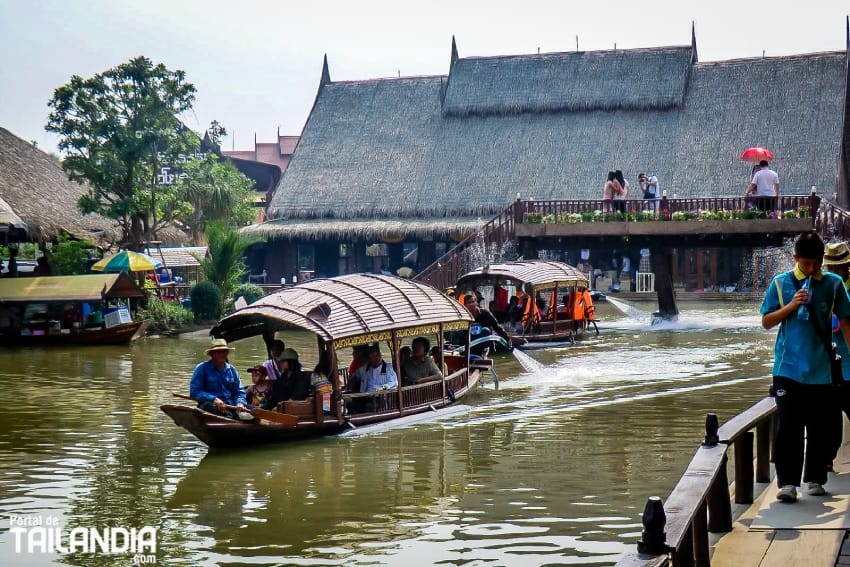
[{"x": 745, "y": 547}]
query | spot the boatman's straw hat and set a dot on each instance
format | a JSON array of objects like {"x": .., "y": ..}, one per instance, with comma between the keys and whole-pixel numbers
[
  {"x": 218, "y": 344},
  {"x": 837, "y": 254}
]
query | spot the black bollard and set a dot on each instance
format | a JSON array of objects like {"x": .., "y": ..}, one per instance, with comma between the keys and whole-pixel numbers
[
  {"x": 711, "y": 427},
  {"x": 654, "y": 538}
]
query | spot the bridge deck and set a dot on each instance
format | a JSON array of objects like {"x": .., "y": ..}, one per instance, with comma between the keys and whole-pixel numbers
[{"x": 800, "y": 543}]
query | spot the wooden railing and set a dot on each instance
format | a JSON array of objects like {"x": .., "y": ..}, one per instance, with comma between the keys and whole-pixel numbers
[
  {"x": 489, "y": 240},
  {"x": 492, "y": 242},
  {"x": 677, "y": 530}
]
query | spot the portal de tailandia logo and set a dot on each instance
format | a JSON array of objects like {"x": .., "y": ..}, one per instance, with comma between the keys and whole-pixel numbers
[{"x": 37, "y": 534}]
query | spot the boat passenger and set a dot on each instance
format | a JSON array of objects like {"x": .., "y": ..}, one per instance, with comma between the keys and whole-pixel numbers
[
  {"x": 420, "y": 368},
  {"x": 376, "y": 375},
  {"x": 360, "y": 356},
  {"x": 275, "y": 349},
  {"x": 292, "y": 384},
  {"x": 485, "y": 318},
  {"x": 258, "y": 393},
  {"x": 215, "y": 383},
  {"x": 437, "y": 355}
]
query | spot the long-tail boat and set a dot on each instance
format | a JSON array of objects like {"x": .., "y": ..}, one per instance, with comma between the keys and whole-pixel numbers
[
  {"x": 343, "y": 312},
  {"x": 553, "y": 302}
]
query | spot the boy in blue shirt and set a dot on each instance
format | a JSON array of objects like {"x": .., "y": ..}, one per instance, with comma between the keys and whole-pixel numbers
[{"x": 802, "y": 382}]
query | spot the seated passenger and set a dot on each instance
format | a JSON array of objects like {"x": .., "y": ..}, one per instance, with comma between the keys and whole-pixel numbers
[
  {"x": 421, "y": 367},
  {"x": 437, "y": 355},
  {"x": 258, "y": 393},
  {"x": 275, "y": 349},
  {"x": 292, "y": 384},
  {"x": 376, "y": 374}
]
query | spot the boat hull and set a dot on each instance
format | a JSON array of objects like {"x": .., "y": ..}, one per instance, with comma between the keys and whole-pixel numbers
[
  {"x": 225, "y": 433},
  {"x": 119, "y": 334}
]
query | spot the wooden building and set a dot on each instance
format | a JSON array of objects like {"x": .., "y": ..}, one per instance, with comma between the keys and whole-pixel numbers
[{"x": 391, "y": 172}]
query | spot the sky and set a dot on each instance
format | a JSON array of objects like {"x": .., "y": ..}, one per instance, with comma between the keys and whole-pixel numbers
[{"x": 256, "y": 64}]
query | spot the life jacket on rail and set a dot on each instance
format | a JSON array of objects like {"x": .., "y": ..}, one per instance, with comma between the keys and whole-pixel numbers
[
  {"x": 553, "y": 306},
  {"x": 531, "y": 313},
  {"x": 587, "y": 305}
]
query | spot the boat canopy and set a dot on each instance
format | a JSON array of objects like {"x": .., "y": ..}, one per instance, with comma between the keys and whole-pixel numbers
[
  {"x": 348, "y": 310},
  {"x": 90, "y": 287},
  {"x": 540, "y": 274}
]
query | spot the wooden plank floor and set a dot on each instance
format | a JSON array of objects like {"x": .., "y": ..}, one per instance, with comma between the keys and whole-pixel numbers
[{"x": 812, "y": 548}]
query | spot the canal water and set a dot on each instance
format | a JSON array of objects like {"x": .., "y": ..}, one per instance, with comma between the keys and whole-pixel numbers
[{"x": 553, "y": 467}]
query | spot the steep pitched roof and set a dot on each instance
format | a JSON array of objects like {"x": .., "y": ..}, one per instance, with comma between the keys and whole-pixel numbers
[{"x": 421, "y": 148}]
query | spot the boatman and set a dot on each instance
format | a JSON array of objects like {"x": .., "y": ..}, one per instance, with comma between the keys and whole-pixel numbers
[
  {"x": 215, "y": 384},
  {"x": 486, "y": 319}
]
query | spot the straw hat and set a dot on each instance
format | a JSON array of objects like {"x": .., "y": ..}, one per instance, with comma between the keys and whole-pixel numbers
[
  {"x": 218, "y": 344},
  {"x": 836, "y": 254}
]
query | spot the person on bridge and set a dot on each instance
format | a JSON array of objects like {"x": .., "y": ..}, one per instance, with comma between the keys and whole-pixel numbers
[
  {"x": 764, "y": 188},
  {"x": 836, "y": 259},
  {"x": 802, "y": 377}
]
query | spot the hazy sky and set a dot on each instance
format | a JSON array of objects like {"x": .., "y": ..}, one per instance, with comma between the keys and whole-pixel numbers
[{"x": 256, "y": 64}]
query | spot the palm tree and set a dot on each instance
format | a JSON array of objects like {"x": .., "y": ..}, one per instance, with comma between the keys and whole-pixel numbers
[{"x": 224, "y": 266}]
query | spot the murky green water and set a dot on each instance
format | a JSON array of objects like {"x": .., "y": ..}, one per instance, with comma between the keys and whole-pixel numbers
[{"x": 553, "y": 468}]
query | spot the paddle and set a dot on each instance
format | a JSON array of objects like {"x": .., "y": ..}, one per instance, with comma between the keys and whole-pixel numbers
[{"x": 269, "y": 415}]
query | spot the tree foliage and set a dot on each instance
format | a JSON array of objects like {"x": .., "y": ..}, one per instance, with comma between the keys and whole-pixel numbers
[
  {"x": 212, "y": 191},
  {"x": 69, "y": 257},
  {"x": 206, "y": 301},
  {"x": 117, "y": 128}
]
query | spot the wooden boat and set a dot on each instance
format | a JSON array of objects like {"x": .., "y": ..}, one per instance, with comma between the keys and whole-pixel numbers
[
  {"x": 557, "y": 303},
  {"x": 343, "y": 312},
  {"x": 50, "y": 310}
]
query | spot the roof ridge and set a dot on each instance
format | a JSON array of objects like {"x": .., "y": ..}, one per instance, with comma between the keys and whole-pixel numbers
[{"x": 554, "y": 54}]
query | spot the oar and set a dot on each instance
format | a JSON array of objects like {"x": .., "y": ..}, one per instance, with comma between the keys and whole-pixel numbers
[{"x": 275, "y": 416}]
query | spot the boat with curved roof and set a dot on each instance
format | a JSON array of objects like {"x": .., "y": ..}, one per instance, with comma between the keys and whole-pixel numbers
[
  {"x": 553, "y": 303},
  {"x": 343, "y": 312}
]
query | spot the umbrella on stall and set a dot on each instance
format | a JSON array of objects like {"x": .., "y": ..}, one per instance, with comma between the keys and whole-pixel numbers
[
  {"x": 12, "y": 226},
  {"x": 756, "y": 154},
  {"x": 127, "y": 261}
]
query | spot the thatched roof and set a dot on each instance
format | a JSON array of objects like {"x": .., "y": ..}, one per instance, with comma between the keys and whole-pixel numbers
[
  {"x": 37, "y": 189},
  {"x": 552, "y": 125},
  {"x": 347, "y": 229},
  {"x": 607, "y": 80},
  {"x": 178, "y": 256}
]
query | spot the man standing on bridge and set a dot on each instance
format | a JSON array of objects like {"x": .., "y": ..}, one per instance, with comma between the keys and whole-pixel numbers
[
  {"x": 764, "y": 187},
  {"x": 801, "y": 302}
]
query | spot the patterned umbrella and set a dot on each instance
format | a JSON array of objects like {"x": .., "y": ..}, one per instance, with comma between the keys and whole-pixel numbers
[{"x": 127, "y": 261}]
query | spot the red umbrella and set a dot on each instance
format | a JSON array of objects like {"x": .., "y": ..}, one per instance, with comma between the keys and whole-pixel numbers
[{"x": 756, "y": 154}]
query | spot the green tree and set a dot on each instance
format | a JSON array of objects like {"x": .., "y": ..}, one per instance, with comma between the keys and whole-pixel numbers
[
  {"x": 224, "y": 266},
  {"x": 117, "y": 128},
  {"x": 69, "y": 257},
  {"x": 212, "y": 191}
]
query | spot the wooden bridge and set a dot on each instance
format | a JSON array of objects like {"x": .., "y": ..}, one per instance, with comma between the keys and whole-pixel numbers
[
  {"x": 528, "y": 226},
  {"x": 706, "y": 521}
]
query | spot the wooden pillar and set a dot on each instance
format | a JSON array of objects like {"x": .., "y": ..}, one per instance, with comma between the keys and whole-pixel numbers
[
  {"x": 763, "y": 451},
  {"x": 699, "y": 529},
  {"x": 700, "y": 267},
  {"x": 744, "y": 468},
  {"x": 674, "y": 265},
  {"x": 712, "y": 267},
  {"x": 719, "y": 504},
  {"x": 661, "y": 260}
]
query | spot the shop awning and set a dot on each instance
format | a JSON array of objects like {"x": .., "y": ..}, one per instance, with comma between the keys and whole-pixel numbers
[{"x": 94, "y": 287}]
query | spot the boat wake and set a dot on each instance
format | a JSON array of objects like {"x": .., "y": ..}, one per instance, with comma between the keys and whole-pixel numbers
[
  {"x": 630, "y": 311},
  {"x": 528, "y": 363}
]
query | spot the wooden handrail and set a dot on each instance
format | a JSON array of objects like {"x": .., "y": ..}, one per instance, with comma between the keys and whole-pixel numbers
[{"x": 700, "y": 501}]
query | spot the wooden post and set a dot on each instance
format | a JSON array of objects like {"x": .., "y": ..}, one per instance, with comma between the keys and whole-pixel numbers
[
  {"x": 763, "y": 451},
  {"x": 744, "y": 468},
  {"x": 699, "y": 530},
  {"x": 719, "y": 504},
  {"x": 684, "y": 555}
]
